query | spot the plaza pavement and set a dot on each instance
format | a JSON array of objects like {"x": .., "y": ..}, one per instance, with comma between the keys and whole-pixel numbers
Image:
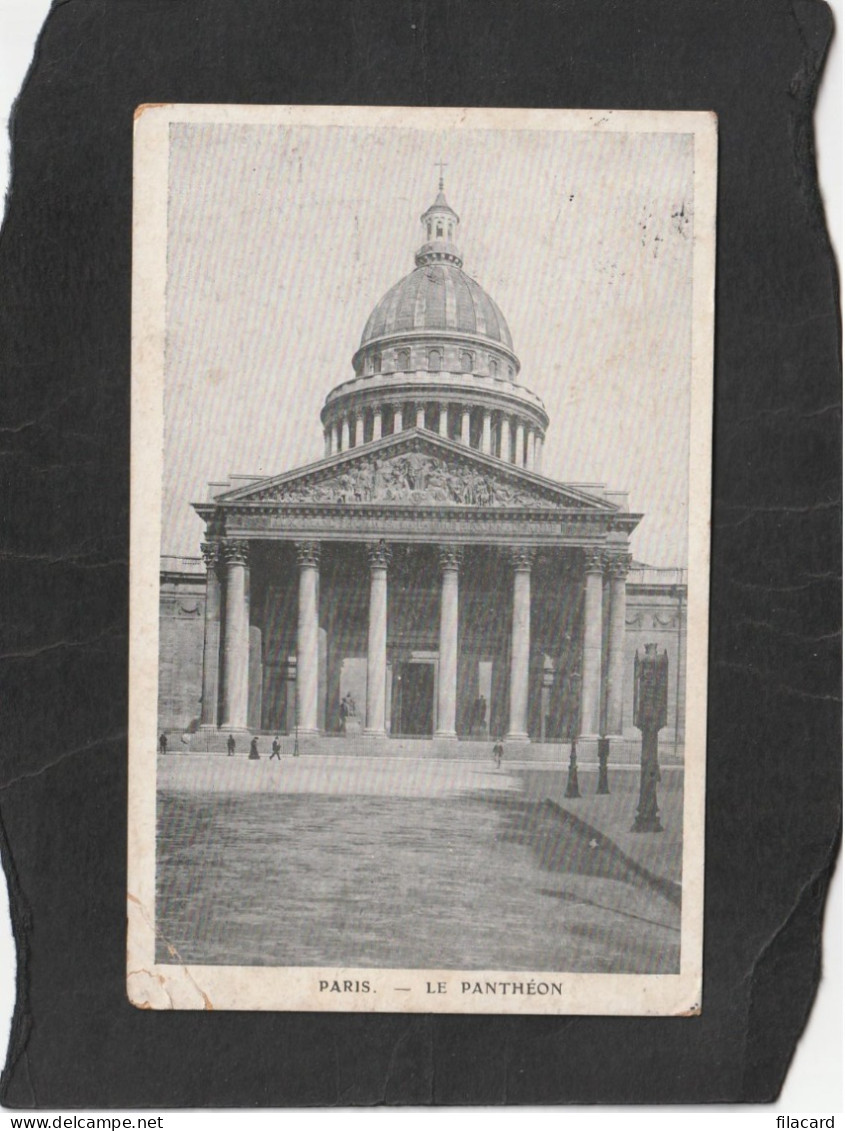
[{"x": 332, "y": 860}]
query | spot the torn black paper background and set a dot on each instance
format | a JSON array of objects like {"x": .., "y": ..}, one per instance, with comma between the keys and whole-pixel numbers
[{"x": 774, "y": 768}]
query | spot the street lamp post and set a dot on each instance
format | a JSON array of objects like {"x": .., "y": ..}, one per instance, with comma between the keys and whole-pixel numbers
[
  {"x": 651, "y": 681},
  {"x": 292, "y": 675},
  {"x": 572, "y": 789},
  {"x": 604, "y": 754}
]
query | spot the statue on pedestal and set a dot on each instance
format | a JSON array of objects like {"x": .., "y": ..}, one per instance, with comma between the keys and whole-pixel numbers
[{"x": 349, "y": 721}]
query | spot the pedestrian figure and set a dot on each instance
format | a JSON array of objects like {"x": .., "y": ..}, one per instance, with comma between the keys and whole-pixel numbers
[
  {"x": 230, "y": 745},
  {"x": 254, "y": 756},
  {"x": 498, "y": 751},
  {"x": 162, "y": 743},
  {"x": 276, "y": 749}
]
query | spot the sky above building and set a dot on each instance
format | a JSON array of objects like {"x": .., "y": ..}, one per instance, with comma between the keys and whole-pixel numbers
[{"x": 281, "y": 240}]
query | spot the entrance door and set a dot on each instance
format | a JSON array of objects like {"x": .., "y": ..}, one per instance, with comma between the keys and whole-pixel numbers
[{"x": 413, "y": 699}]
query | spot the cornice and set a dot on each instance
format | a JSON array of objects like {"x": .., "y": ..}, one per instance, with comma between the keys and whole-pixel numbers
[
  {"x": 428, "y": 337},
  {"x": 504, "y": 396}
]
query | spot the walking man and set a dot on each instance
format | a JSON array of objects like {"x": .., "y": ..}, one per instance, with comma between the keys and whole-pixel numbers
[
  {"x": 230, "y": 745},
  {"x": 276, "y": 749},
  {"x": 162, "y": 743}
]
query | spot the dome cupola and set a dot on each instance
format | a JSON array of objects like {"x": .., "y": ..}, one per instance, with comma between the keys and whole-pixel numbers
[{"x": 440, "y": 226}]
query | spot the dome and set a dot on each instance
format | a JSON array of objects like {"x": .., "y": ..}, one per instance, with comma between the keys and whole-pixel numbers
[
  {"x": 437, "y": 296},
  {"x": 437, "y": 354}
]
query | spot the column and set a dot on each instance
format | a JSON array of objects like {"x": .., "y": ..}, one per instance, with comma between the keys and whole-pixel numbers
[
  {"x": 420, "y": 415},
  {"x": 443, "y": 420},
  {"x": 359, "y": 428},
  {"x": 591, "y": 657},
  {"x": 465, "y": 433},
  {"x": 485, "y": 433},
  {"x": 519, "y": 444},
  {"x": 307, "y": 636},
  {"x": 337, "y": 429},
  {"x": 529, "y": 449},
  {"x": 505, "y": 450},
  {"x": 236, "y": 636},
  {"x": 538, "y": 454},
  {"x": 377, "y": 423},
  {"x": 521, "y": 559},
  {"x": 379, "y": 553},
  {"x": 617, "y": 564},
  {"x": 211, "y": 637},
  {"x": 397, "y": 418},
  {"x": 447, "y": 683},
  {"x": 344, "y": 434}
]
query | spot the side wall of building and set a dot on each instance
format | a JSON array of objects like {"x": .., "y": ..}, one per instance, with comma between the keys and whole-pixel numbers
[
  {"x": 181, "y": 628},
  {"x": 656, "y": 613}
]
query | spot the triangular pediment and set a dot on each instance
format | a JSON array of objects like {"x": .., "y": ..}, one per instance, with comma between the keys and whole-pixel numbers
[{"x": 415, "y": 468}]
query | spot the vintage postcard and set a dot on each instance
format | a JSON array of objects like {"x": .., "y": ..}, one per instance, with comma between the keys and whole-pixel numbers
[{"x": 421, "y": 459}]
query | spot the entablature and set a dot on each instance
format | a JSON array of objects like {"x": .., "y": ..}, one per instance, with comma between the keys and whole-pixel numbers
[{"x": 416, "y": 524}]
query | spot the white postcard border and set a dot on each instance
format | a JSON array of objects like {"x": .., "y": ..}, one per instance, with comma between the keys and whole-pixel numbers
[{"x": 152, "y": 985}]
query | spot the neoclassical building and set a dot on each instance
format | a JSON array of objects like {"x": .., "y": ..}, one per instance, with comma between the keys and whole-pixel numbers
[{"x": 424, "y": 568}]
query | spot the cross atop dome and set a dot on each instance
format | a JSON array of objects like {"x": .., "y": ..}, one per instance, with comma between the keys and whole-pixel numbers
[{"x": 440, "y": 225}]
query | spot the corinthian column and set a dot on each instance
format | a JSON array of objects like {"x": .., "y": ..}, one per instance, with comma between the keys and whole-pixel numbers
[
  {"x": 505, "y": 446},
  {"x": 236, "y": 636},
  {"x": 447, "y": 684},
  {"x": 397, "y": 418},
  {"x": 521, "y": 559},
  {"x": 344, "y": 433},
  {"x": 519, "y": 444},
  {"x": 443, "y": 419},
  {"x": 211, "y": 637},
  {"x": 465, "y": 433},
  {"x": 486, "y": 432},
  {"x": 529, "y": 449},
  {"x": 359, "y": 428},
  {"x": 420, "y": 414},
  {"x": 617, "y": 565},
  {"x": 307, "y": 636},
  {"x": 377, "y": 423},
  {"x": 379, "y": 553},
  {"x": 591, "y": 659}
]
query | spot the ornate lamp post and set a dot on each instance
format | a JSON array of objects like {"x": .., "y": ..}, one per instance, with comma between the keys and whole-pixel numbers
[
  {"x": 545, "y": 694},
  {"x": 572, "y": 789},
  {"x": 293, "y": 682},
  {"x": 651, "y": 681},
  {"x": 604, "y": 754}
]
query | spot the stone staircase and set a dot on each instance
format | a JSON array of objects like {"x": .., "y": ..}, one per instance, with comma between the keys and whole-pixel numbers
[
  {"x": 465, "y": 750},
  {"x": 342, "y": 745}
]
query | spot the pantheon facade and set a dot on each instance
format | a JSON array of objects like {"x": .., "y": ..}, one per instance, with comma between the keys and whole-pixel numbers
[{"x": 425, "y": 570}]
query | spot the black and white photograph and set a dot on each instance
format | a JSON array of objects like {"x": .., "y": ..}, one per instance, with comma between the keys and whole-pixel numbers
[{"x": 421, "y": 461}]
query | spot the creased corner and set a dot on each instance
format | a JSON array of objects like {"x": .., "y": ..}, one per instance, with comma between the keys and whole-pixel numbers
[{"x": 157, "y": 988}]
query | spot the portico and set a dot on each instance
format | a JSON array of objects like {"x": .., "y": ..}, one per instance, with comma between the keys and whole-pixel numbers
[{"x": 379, "y": 581}]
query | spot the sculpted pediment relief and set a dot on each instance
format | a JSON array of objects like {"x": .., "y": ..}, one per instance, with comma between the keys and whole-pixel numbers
[{"x": 410, "y": 477}]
